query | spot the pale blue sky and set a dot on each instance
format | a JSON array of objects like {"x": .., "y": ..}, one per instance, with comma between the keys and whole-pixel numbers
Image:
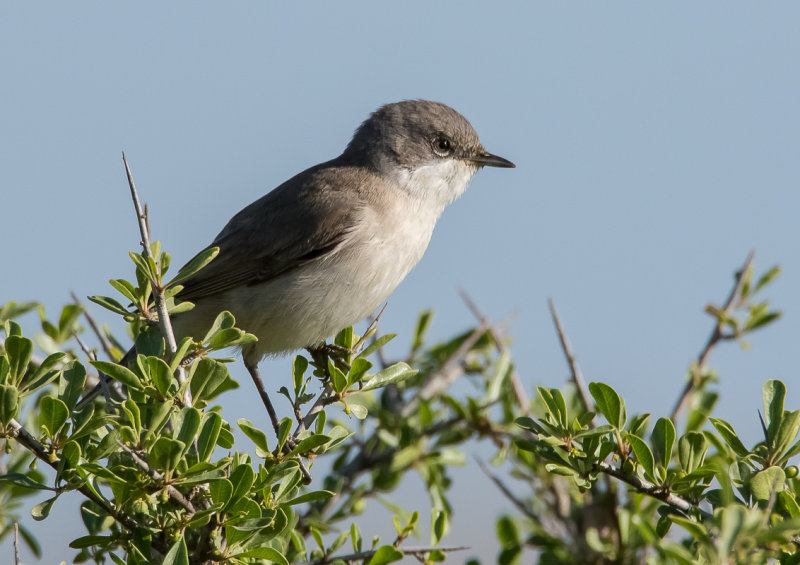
[{"x": 655, "y": 146}]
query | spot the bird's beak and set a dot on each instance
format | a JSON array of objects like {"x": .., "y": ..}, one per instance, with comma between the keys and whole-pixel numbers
[{"x": 486, "y": 159}]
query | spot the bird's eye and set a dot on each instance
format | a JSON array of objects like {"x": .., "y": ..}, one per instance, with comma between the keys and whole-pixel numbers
[{"x": 442, "y": 146}]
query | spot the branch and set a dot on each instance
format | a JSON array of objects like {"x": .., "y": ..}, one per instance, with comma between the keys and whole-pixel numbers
[
  {"x": 575, "y": 371},
  {"x": 519, "y": 389},
  {"x": 164, "y": 322},
  {"x": 507, "y": 492},
  {"x": 33, "y": 445},
  {"x": 174, "y": 493},
  {"x": 656, "y": 491},
  {"x": 365, "y": 555},
  {"x": 104, "y": 342},
  {"x": 447, "y": 373},
  {"x": 715, "y": 337}
]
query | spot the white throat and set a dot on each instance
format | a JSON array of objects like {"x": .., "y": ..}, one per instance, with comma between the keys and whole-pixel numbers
[{"x": 437, "y": 184}]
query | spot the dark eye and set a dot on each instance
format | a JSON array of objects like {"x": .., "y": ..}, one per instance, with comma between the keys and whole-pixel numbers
[{"x": 442, "y": 146}]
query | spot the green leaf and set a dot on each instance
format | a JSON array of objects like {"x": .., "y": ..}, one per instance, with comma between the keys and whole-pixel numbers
[
  {"x": 423, "y": 323},
  {"x": 385, "y": 554},
  {"x": 9, "y": 403},
  {"x": 109, "y": 304},
  {"x": 24, "y": 481},
  {"x": 284, "y": 429},
  {"x": 729, "y": 435},
  {"x": 273, "y": 555},
  {"x": 556, "y": 406},
  {"x": 118, "y": 373},
  {"x": 767, "y": 278},
  {"x": 206, "y": 378},
  {"x": 355, "y": 537},
  {"x": 256, "y": 435},
  {"x": 166, "y": 453},
  {"x": 209, "y": 432},
  {"x": 310, "y": 443},
  {"x": 125, "y": 288},
  {"x": 764, "y": 483},
  {"x": 53, "y": 416},
  {"x": 691, "y": 451},
  {"x": 394, "y": 374},
  {"x": 19, "y": 351},
  {"x": 643, "y": 455},
  {"x": 220, "y": 491},
  {"x": 376, "y": 345},
  {"x": 609, "y": 403},
  {"x": 42, "y": 510},
  {"x": 311, "y": 496},
  {"x": 242, "y": 479},
  {"x": 45, "y": 373},
  {"x": 75, "y": 378},
  {"x": 191, "y": 423},
  {"x": 786, "y": 433},
  {"x": 774, "y": 393},
  {"x": 299, "y": 366},
  {"x": 663, "y": 439},
  {"x": 160, "y": 374},
  {"x": 358, "y": 369},
  {"x": 177, "y": 554}
]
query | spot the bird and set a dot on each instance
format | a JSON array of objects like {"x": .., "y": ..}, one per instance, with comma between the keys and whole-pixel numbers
[{"x": 326, "y": 248}]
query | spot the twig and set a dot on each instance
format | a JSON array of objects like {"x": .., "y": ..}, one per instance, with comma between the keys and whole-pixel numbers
[
  {"x": 164, "y": 322},
  {"x": 371, "y": 329},
  {"x": 507, "y": 492},
  {"x": 102, "y": 338},
  {"x": 16, "y": 543},
  {"x": 326, "y": 397},
  {"x": 174, "y": 493},
  {"x": 575, "y": 371},
  {"x": 656, "y": 491},
  {"x": 447, "y": 373},
  {"x": 716, "y": 336},
  {"x": 365, "y": 555},
  {"x": 33, "y": 445},
  {"x": 519, "y": 388}
]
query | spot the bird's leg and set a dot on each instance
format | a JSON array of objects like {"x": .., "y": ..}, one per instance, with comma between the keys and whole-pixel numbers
[{"x": 273, "y": 416}]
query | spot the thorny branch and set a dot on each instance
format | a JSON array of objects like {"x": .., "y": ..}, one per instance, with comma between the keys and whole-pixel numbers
[
  {"x": 164, "y": 322},
  {"x": 574, "y": 369},
  {"x": 716, "y": 336},
  {"x": 519, "y": 388}
]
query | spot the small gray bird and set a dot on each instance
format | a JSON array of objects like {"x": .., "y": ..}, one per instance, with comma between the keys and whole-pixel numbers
[{"x": 324, "y": 249}]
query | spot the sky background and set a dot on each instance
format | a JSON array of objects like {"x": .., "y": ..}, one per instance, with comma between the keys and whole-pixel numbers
[{"x": 656, "y": 145}]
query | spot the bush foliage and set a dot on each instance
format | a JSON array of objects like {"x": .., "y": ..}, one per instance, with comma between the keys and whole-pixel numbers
[{"x": 164, "y": 479}]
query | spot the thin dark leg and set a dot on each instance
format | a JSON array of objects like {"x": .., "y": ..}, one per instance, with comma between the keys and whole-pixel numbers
[{"x": 273, "y": 416}]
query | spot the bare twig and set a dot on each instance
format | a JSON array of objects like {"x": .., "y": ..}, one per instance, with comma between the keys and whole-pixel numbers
[
  {"x": 16, "y": 543},
  {"x": 158, "y": 291},
  {"x": 173, "y": 493},
  {"x": 716, "y": 336},
  {"x": 326, "y": 397},
  {"x": 447, "y": 373},
  {"x": 507, "y": 492},
  {"x": 574, "y": 369},
  {"x": 364, "y": 556},
  {"x": 519, "y": 388},
  {"x": 101, "y": 337}
]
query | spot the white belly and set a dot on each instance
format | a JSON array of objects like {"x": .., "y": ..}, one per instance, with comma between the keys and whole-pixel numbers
[{"x": 314, "y": 302}]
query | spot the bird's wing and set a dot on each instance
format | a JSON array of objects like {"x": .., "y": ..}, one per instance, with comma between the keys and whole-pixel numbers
[{"x": 307, "y": 217}]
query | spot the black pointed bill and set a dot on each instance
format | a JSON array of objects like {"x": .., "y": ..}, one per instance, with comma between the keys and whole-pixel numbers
[{"x": 488, "y": 160}]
